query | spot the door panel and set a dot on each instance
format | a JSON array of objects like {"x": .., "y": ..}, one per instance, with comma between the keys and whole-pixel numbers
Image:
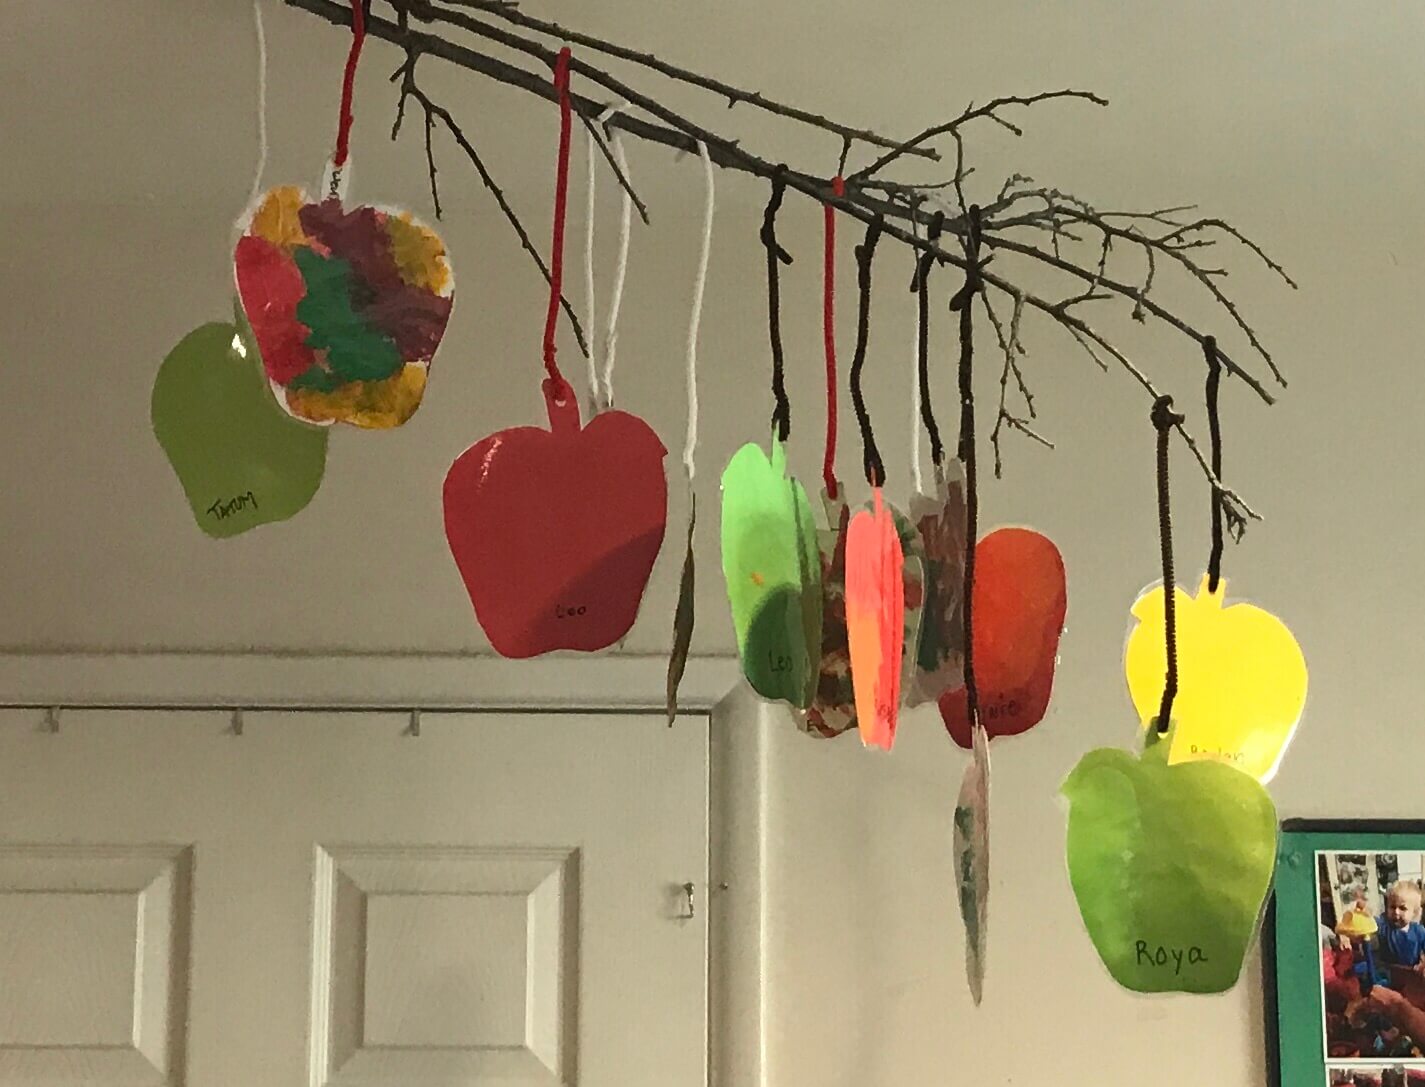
[{"x": 324, "y": 899}]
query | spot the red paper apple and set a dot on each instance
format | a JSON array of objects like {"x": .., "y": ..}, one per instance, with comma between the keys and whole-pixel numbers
[
  {"x": 555, "y": 531},
  {"x": 1019, "y": 602}
]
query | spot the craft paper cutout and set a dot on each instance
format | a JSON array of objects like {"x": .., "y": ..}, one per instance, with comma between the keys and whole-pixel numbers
[
  {"x": 972, "y": 860},
  {"x": 242, "y": 461},
  {"x": 875, "y": 620},
  {"x": 1241, "y": 679},
  {"x": 1020, "y": 603},
  {"x": 683, "y": 617},
  {"x": 555, "y": 531},
  {"x": 940, "y": 648},
  {"x": 833, "y": 708},
  {"x": 1170, "y": 864},
  {"x": 773, "y": 573},
  {"x": 347, "y": 307}
]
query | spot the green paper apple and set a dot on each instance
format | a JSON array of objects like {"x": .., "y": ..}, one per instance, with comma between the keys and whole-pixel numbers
[
  {"x": 241, "y": 459},
  {"x": 1170, "y": 865}
]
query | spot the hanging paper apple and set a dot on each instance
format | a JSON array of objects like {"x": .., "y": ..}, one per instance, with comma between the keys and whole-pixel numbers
[
  {"x": 773, "y": 573},
  {"x": 555, "y": 531},
  {"x": 242, "y": 461},
  {"x": 833, "y": 709},
  {"x": 347, "y": 307},
  {"x": 1170, "y": 864},
  {"x": 875, "y": 620},
  {"x": 940, "y": 649},
  {"x": 1241, "y": 678},
  {"x": 1020, "y": 599}
]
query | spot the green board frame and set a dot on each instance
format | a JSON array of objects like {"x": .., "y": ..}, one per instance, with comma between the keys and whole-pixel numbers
[{"x": 1296, "y": 1045}]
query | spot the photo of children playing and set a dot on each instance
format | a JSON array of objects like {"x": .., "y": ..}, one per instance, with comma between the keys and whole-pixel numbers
[{"x": 1372, "y": 944}]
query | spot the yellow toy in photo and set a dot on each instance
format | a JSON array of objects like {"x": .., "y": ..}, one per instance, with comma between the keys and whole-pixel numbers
[{"x": 1241, "y": 685}]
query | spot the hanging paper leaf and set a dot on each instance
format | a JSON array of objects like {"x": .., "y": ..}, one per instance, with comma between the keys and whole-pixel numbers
[
  {"x": 1019, "y": 606},
  {"x": 242, "y": 462},
  {"x": 773, "y": 574},
  {"x": 940, "y": 649},
  {"x": 972, "y": 860},
  {"x": 1170, "y": 864},
  {"x": 555, "y": 531},
  {"x": 347, "y": 307},
  {"x": 1242, "y": 678},
  {"x": 833, "y": 709},
  {"x": 875, "y": 620}
]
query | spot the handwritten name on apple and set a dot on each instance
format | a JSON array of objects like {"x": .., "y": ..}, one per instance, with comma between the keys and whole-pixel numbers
[
  {"x": 562, "y": 611},
  {"x": 1164, "y": 955},
  {"x": 779, "y": 663},
  {"x": 223, "y": 510},
  {"x": 1219, "y": 754},
  {"x": 998, "y": 710}
]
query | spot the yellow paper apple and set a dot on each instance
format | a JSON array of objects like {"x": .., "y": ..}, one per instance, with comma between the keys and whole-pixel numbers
[{"x": 1241, "y": 679}]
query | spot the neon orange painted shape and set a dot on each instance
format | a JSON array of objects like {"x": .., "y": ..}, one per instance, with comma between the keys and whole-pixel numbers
[
  {"x": 1020, "y": 598},
  {"x": 875, "y": 620}
]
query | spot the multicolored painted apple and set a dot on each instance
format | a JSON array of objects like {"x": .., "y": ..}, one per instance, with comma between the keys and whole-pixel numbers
[
  {"x": 555, "y": 531},
  {"x": 1241, "y": 678},
  {"x": 1020, "y": 599},
  {"x": 773, "y": 573},
  {"x": 1171, "y": 865},
  {"x": 241, "y": 460},
  {"x": 347, "y": 307}
]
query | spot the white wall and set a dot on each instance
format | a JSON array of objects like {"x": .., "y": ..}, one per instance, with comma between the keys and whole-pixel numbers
[{"x": 128, "y": 139}]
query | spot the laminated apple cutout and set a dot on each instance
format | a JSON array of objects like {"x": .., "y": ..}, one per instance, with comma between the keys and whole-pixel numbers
[
  {"x": 773, "y": 574},
  {"x": 1020, "y": 600},
  {"x": 1242, "y": 682},
  {"x": 347, "y": 305},
  {"x": 241, "y": 461},
  {"x": 555, "y": 531},
  {"x": 1171, "y": 865}
]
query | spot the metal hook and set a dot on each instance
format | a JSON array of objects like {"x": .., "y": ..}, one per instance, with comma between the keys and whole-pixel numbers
[
  {"x": 237, "y": 722},
  {"x": 52, "y": 720},
  {"x": 689, "y": 910},
  {"x": 414, "y": 728}
]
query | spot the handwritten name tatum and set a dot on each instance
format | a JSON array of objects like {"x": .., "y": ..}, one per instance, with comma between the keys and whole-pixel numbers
[{"x": 221, "y": 509}]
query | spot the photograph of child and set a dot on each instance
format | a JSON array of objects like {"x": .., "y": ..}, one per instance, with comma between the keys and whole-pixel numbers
[{"x": 1372, "y": 947}]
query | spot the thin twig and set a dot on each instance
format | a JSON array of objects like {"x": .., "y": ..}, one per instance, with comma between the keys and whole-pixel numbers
[{"x": 733, "y": 95}]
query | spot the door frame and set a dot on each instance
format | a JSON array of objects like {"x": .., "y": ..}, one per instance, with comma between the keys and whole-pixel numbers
[{"x": 48, "y": 683}]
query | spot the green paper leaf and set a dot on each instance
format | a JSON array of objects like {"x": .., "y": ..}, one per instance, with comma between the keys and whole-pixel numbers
[
  {"x": 773, "y": 572},
  {"x": 355, "y": 351},
  {"x": 1170, "y": 865},
  {"x": 241, "y": 459}
]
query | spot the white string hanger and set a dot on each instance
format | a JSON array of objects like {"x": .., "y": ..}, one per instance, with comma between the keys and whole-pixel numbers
[
  {"x": 695, "y": 318},
  {"x": 601, "y": 396},
  {"x": 261, "y": 103}
]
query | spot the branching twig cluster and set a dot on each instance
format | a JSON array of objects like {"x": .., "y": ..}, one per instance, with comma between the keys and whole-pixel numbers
[{"x": 1041, "y": 226}]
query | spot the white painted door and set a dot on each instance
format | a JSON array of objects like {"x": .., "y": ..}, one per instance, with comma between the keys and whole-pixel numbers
[{"x": 324, "y": 899}]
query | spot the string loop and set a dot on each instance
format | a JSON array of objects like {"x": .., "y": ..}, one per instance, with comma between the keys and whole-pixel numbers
[
  {"x": 348, "y": 90},
  {"x": 776, "y": 256},
  {"x": 556, "y": 386},
  {"x": 828, "y": 330},
  {"x": 1214, "y": 425},
  {"x": 961, "y": 302},
  {"x": 1164, "y": 419},
  {"x": 871, "y": 455},
  {"x": 695, "y": 318},
  {"x": 922, "y": 352}
]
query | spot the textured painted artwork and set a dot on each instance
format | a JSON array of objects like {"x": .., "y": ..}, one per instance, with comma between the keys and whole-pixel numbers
[
  {"x": 1241, "y": 678},
  {"x": 241, "y": 460},
  {"x": 347, "y": 306},
  {"x": 1170, "y": 864},
  {"x": 1019, "y": 606},
  {"x": 875, "y": 620},
  {"x": 772, "y": 569},
  {"x": 555, "y": 531},
  {"x": 939, "y": 519}
]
